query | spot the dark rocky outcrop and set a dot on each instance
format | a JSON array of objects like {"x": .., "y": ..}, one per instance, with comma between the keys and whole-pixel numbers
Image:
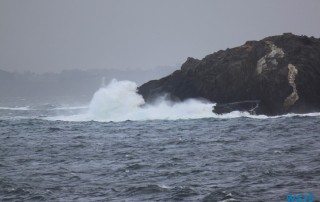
[
  {"x": 246, "y": 105},
  {"x": 281, "y": 73}
]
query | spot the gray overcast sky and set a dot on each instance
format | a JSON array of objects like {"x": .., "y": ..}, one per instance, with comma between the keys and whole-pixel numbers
[{"x": 43, "y": 35}]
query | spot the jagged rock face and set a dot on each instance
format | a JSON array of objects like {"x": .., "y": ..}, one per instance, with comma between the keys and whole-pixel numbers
[{"x": 281, "y": 72}]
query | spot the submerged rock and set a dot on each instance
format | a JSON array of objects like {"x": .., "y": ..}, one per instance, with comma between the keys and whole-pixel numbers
[{"x": 281, "y": 73}]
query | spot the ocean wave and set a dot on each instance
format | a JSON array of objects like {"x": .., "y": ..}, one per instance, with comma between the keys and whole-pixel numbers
[
  {"x": 119, "y": 101},
  {"x": 15, "y": 108}
]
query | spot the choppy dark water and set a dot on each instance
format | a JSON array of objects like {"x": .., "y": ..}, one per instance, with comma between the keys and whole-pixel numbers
[{"x": 239, "y": 159}]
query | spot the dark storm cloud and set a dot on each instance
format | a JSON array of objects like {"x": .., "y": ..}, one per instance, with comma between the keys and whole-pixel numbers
[{"x": 42, "y": 35}]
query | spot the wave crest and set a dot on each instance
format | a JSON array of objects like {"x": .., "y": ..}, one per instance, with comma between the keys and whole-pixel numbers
[{"x": 119, "y": 101}]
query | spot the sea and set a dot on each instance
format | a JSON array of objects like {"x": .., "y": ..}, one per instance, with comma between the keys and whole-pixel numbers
[{"x": 116, "y": 147}]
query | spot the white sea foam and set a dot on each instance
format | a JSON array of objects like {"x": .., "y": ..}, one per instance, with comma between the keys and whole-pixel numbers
[
  {"x": 119, "y": 101},
  {"x": 16, "y": 108},
  {"x": 71, "y": 108},
  {"x": 28, "y": 108}
]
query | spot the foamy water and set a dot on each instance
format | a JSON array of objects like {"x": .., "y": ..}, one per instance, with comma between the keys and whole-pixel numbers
[
  {"x": 15, "y": 108},
  {"x": 119, "y": 101}
]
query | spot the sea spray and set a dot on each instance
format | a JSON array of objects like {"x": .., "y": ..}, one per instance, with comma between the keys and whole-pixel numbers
[
  {"x": 119, "y": 101},
  {"x": 115, "y": 101}
]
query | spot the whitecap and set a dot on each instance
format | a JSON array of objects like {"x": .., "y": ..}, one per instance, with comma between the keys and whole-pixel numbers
[{"x": 119, "y": 101}]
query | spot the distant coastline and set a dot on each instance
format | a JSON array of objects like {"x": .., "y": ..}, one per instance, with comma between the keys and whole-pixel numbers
[{"x": 71, "y": 82}]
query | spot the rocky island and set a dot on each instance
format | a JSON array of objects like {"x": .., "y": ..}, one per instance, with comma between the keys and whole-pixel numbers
[{"x": 276, "y": 75}]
